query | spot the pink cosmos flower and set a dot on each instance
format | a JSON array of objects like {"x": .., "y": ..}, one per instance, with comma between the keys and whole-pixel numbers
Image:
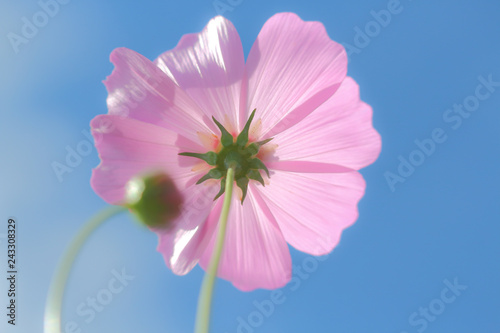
[{"x": 295, "y": 80}]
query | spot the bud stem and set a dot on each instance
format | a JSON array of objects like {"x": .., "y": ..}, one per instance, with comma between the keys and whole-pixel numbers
[
  {"x": 53, "y": 307},
  {"x": 207, "y": 287}
]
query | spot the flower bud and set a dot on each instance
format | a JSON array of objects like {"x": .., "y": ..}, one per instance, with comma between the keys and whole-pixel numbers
[{"x": 154, "y": 200}]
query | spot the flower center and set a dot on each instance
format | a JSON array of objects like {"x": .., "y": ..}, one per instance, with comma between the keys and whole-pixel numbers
[{"x": 239, "y": 154}]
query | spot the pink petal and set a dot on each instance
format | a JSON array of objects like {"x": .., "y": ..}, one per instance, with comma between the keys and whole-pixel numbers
[
  {"x": 128, "y": 147},
  {"x": 209, "y": 66},
  {"x": 306, "y": 166},
  {"x": 255, "y": 254},
  {"x": 339, "y": 132},
  {"x": 140, "y": 90},
  {"x": 292, "y": 68},
  {"x": 312, "y": 209},
  {"x": 182, "y": 247}
]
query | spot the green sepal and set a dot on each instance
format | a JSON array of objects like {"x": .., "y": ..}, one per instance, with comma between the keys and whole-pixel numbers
[
  {"x": 243, "y": 184},
  {"x": 222, "y": 188},
  {"x": 255, "y": 175},
  {"x": 263, "y": 142},
  {"x": 236, "y": 153},
  {"x": 254, "y": 148},
  {"x": 226, "y": 138},
  {"x": 212, "y": 174},
  {"x": 255, "y": 163},
  {"x": 242, "y": 138},
  {"x": 210, "y": 157}
]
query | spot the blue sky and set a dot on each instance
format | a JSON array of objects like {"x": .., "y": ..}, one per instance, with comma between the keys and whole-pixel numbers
[{"x": 423, "y": 255}]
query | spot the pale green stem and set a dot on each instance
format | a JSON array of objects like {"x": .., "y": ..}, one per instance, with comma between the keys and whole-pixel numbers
[
  {"x": 205, "y": 299},
  {"x": 53, "y": 307}
]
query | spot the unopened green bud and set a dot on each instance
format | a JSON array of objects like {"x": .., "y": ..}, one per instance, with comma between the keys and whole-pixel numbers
[{"x": 154, "y": 200}]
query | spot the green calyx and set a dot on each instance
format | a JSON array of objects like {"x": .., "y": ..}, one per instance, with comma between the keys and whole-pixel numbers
[{"x": 234, "y": 153}]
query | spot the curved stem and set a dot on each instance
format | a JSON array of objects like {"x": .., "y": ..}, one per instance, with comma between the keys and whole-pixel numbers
[
  {"x": 53, "y": 307},
  {"x": 205, "y": 299}
]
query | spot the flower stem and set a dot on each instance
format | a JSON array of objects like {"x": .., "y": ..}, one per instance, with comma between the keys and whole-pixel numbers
[
  {"x": 53, "y": 307},
  {"x": 205, "y": 299}
]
